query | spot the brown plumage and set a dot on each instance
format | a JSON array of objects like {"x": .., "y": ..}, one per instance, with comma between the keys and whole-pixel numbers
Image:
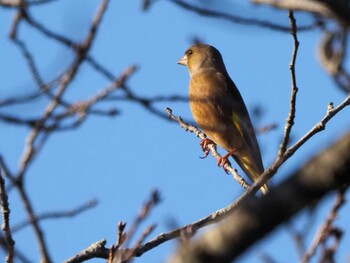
[{"x": 219, "y": 110}]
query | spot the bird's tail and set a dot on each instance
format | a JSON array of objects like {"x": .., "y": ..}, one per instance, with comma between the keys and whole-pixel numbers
[
  {"x": 252, "y": 169},
  {"x": 253, "y": 175},
  {"x": 264, "y": 189}
]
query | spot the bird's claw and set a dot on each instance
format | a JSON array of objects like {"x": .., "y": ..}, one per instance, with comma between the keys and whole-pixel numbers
[
  {"x": 206, "y": 152},
  {"x": 204, "y": 144},
  {"x": 224, "y": 160}
]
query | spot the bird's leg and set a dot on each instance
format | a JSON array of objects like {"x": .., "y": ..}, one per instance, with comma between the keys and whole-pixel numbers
[
  {"x": 204, "y": 144},
  {"x": 224, "y": 159}
]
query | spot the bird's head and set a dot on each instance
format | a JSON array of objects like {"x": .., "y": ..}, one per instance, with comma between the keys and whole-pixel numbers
[{"x": 202, "y": 56}]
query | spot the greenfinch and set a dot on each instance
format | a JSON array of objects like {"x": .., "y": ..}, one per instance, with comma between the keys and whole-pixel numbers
[{"x": 219, "y": 110}]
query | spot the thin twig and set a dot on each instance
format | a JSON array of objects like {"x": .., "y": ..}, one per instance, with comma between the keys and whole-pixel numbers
[
  {"x": 117, "y": 83},
  {"x": 284, "y": 154},
  {"x": 97, "y": 66},
  {"x": 40, "y": 2},
  {"x": 21, "y": 99},
  {"x": 30, "y": 61},
  {"x": 291, "y": 116},
  {"x": 37, "y": 137},
  {"x": 320, "y": 126},
  {"x": 83, "y": 107},
  {"x": 16, "y": 20},
  {"x": 299, "y": 236},
  {"x": 50, "y": 34},
  {"x": 328, "y": 9},
  {"x": 17, "y": 120},
  {"x": 6, "y": 170},
  {"x": 213, "y": 218},
  {"x": 235, "y": 19},
  {"x": 58, "y": 214},
  {"x": 147, "y": 104},
  {"x": 30, "y": 151},
  {"x": 45, "y": 257},
  {"x": 96, "y": 250},
  {"x": 18, "y": 254},
  {"x": 5, "y": 212},
  {"x": 125, "y": 254},
  {"x": 145, "y": 211},
  {"x": 133, "y": 251},
  {"x": 324, "y": 230},
  {"x": 16, "y": 4}
]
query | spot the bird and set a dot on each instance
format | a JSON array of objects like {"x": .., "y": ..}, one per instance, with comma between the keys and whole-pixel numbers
[{"x": 219, "y": 110}]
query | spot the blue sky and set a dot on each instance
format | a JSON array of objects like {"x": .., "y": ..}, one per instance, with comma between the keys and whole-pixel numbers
[{"x": 120, "y": 160}]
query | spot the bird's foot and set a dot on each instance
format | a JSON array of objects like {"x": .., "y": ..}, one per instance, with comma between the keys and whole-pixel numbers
[
  {"x": 204, "y": 144},
  {"x": 224, "y": 160}
]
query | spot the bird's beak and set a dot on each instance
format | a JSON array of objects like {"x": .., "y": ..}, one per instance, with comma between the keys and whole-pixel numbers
[{"x": 183, "y": 61}]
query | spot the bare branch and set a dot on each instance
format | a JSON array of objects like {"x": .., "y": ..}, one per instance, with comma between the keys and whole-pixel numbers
[
  {"x": 269, "y": 172},
  {"x": 94, "y": 27},
  {"x": 40, "y": 2},
  {"x": 18, "y": 255},
  {"x": 7, "y": 173},
  {"x": 96, "y": 250},
  {"x": 331, "y": 112},
  {"x": 5, "y": 212},
  {"x": 310, "y": 6},
  {"x": 45, "y": 257},
  {"x": 17, "y": 3},
  {"x": 17, "y": 120},
  {"x": 30, "y": 151},
  {"x": 281, "y": 158},
  {"x": 17, "y": 18},
  {"x": 332, "y": 54},
  {"x": 58, "y": 214},
  {"x": 291, "y": 116},
  {"x": 235, "y": 19},
  {"x": 338, "y": 10},
  {"x": 21, "y": 99},
  {"x": 190, "y": 229},
  {"x": 9, "y": 3},
  {"x": 38, "y": 135},
  {"x": 50, "y": 34},
  {"x": 299, "y": 236},
  {"x": 120, "y": 82},
  {"x": 116, "y": 253},
  {"x": 30, "y": 61},
  {"x": 145, "y": 210},
  {"x": 133, "y": 251},
  {"x": 326, "y": 228}
]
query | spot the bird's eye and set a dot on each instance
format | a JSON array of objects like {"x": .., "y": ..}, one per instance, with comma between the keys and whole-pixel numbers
[{"x": 190, "y": 52}]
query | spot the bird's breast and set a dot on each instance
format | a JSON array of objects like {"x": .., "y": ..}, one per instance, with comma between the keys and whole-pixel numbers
[{"x": 205, "y": 99}]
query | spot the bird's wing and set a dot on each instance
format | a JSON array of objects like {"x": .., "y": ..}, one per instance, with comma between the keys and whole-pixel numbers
[{"x": 242, "y": 122}]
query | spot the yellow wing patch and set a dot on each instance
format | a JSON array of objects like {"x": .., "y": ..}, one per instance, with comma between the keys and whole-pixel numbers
[{"x": 237, "y": 123}]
